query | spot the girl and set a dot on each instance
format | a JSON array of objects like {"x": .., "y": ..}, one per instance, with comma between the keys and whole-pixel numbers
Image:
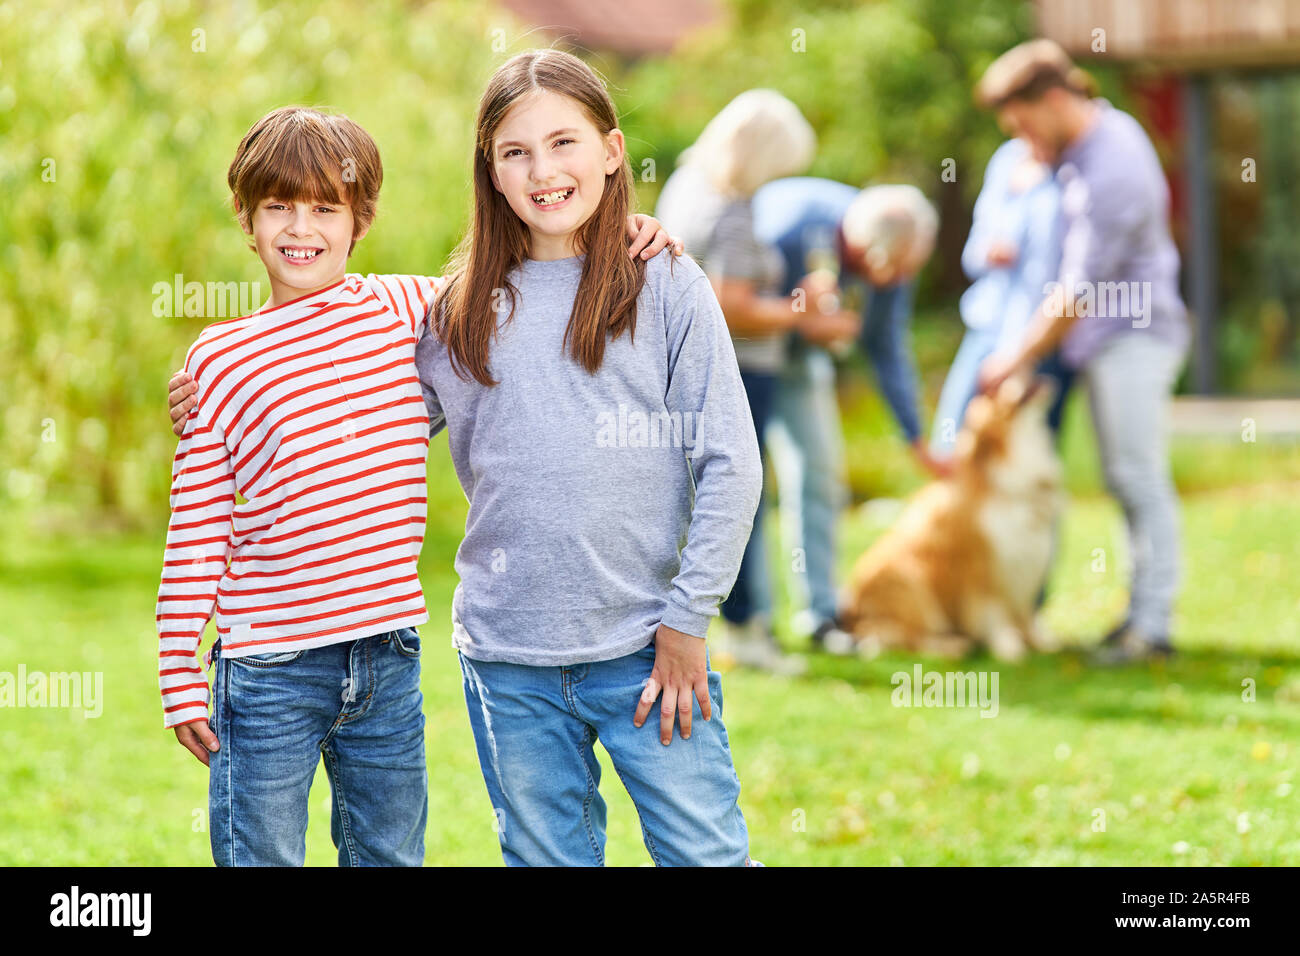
[{"x": 588, "y": 399}]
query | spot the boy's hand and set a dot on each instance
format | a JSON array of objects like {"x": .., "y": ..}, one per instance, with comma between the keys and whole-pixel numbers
[
  {"x": 180, "y": 397},
  {"x": 679, "y": 672},
  {"x": 647, "y": 234},
  {"x": 198, "y": 739}
]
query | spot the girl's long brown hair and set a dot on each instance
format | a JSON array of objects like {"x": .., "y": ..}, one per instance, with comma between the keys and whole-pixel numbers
[{"x": 498, "y": 240}]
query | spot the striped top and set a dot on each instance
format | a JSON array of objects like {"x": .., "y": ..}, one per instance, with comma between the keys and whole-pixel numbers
[{"x": 298, "y": 498}]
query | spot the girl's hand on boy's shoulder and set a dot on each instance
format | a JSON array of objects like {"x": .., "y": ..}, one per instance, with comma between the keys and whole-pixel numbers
[
  {"x": 680, "y": 672},
  {"x": 180, "y": 398},
  {"x": 649, "y": 237},
  {"x": 197, "y": 737}
]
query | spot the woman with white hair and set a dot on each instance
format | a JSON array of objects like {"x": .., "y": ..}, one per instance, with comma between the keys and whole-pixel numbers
[{"x": 758, "y": 137}]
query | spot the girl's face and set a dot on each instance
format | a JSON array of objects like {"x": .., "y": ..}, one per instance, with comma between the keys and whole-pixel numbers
[
  {"x": 304, "y": 245},
  {"x": 550, "y": 162}
]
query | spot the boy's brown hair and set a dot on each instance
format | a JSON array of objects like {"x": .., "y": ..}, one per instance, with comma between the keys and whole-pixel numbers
[{"x": 297, "y": 153}]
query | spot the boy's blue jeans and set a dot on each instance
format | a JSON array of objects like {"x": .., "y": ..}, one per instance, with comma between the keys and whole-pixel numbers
[
  {"x": 535, "y": 728},
  {"x": 356, "y": 702}
]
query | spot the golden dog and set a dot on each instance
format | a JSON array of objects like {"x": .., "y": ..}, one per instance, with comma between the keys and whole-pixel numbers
[{"x": 964, "y": 562}]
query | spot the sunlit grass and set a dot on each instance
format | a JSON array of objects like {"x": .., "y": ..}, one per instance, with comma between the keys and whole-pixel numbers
[{"x": 1171, "y": 758}]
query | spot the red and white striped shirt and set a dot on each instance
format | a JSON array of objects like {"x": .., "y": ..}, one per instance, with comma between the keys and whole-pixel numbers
[{"x": 312, "y": 413}]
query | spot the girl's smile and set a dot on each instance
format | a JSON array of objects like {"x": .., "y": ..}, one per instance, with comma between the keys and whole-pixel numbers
[{"x": 550, "y": 162}]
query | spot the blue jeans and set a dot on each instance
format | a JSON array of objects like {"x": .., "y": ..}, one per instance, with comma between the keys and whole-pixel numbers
[
  {"x": 751, "y": 595},
  {"x": 805, "y": 441},
  {"x": 356, "y": 702},
  {"x": 959, "y": 388},
  {"x": 535, "y": 728},
  {"x": 1130, "y": 379}
]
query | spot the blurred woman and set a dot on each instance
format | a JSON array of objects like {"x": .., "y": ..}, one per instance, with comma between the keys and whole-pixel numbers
[
  {"x": 758, "y": 137},
  {"x": 1013, "y": 251}
]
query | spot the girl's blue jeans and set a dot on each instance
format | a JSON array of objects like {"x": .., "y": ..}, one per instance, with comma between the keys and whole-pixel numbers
[
  {"x": 535, "y": 729},
  {"x": 357, "y": 703}
]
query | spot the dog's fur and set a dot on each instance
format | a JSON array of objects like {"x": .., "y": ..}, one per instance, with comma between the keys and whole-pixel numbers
[{"x": 964, "y": 562}]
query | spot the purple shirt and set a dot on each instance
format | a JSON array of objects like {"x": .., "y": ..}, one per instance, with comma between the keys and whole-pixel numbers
[{"x": 1117, "y": 254}]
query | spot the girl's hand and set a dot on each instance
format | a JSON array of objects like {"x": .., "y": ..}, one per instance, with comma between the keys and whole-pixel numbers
[
  {"x": 649, "y": 238},
  {"x": 180, "y": 397},
  {"x": 197, "y": 737},
  {"x": 679, "y": 672}
]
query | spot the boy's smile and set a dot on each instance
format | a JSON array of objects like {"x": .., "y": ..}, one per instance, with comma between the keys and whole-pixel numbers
[{"x": 304, "y": 245}]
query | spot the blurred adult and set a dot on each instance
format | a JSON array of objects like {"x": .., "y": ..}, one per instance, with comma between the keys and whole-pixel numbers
[
  {"x": 1012, "y": 252},
  {"x": 1115, "y": 310},
  {"x": 850, "y": 258},
  {"x": 757, "y": 137},
  {"x": 863, "y": 248}
]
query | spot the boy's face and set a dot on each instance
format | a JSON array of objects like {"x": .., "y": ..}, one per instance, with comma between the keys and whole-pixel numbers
[
  {"x": 304, "y": 245},
  {"x": 550, "y": 162}
]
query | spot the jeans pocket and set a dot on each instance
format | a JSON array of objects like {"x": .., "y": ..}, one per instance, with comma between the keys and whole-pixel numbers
[
  {"x": 407, "y": 642},
  {"x": 275, "y": 659}
]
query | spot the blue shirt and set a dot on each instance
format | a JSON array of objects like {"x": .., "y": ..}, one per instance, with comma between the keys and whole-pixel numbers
[
  {"x": 793, "y": 214},
  {"x": 1002, "y": 300}
]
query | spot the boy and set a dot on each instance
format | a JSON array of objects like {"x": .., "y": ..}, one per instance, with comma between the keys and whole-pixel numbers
[{"x": 310, "y": 412}]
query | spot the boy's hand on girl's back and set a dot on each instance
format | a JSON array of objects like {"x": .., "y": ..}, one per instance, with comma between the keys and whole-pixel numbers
[
  {"x": 180, "y": 398},
  {"x": 649, "y": 238},
  {"x": 680, "y": 672},
  {"x": 197, "y": 737}
]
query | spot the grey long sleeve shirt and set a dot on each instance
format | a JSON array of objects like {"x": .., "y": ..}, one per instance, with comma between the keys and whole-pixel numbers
[{"x": 599, "y": 505}]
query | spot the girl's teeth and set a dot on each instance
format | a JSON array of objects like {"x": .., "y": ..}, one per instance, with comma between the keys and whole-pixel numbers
[{"x": 546, "y": 199}]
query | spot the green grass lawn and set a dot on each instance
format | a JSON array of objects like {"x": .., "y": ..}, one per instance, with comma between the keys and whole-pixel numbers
[{"x": 1173, "y": 761}]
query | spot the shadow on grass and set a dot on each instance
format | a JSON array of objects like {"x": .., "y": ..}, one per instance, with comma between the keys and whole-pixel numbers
[{"x": 1197, "y": 687}]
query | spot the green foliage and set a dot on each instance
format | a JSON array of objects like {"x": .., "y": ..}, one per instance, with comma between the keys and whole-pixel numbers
[
  {"x": 119, "y": 121},
  {"x": 140, "y": 115}
]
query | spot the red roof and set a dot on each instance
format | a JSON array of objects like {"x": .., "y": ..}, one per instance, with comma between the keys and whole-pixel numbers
[{"x": 617, "y": 25}]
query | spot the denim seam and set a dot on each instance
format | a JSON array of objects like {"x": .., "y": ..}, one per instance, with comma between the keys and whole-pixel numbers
[
  {"x": 651, "y": 847},
  {"x": 588, "y": 738},
  {"x": 368, "y": 665},
  {"x": 341, "y": 804},
  {"x": 230, "y": 758}
]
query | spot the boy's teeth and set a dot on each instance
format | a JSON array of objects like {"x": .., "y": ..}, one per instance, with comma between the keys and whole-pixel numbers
[{"x": 300, "y": 253}]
